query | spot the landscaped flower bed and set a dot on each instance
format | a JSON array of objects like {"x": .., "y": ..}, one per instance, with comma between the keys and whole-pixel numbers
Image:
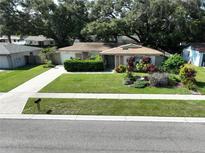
[{"x": 166, "y": 76}]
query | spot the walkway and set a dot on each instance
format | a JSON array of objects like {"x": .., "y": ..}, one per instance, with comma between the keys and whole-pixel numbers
[
  {"x": 119, "y": 96},
  {"x": 15, "y": 100}
]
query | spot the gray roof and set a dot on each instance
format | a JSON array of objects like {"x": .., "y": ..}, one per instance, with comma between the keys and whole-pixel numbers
[
  {"x": 7, "y": 48},
  {"x": 38, "y": 38}
]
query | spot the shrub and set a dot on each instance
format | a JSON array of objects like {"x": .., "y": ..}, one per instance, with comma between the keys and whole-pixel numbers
[
  {"x": 151, "y": 68},
  {"x": 76, "y": 65},
  {"x": 159, "y": 80},
  {"x": 173, "y": 63},
  {"x": 141, "y": 84},
  {"x": 187, "y": 75},
  {"x": 173, "y": 80},
  {"x": 146, "y": 60},
  {"x": 128, "y": 81},
  {"x": 130, "y": 76},
  {"x": 120, "y": 69},
  {"x": 131, "y": 63},
  {"x": 140, "y": 67},
  {"x": 49, "y": 64}
]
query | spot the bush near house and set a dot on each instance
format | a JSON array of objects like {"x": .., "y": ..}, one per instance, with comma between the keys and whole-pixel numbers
[
  {"x": 173, "y": 63},
  {"x": 120, "y": 69},
  {"x": 145, "y": 66},
  {"x": 188, "y": 74},
  {"x": 76, "y": 65}
]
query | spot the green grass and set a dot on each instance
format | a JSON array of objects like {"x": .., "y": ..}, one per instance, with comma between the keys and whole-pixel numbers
[
  {"x": 118, "y": 107},
  {"x": 200, "y": 77},
  {"x": 102, "y": 83},
  {"x": 13, "y": 78}
]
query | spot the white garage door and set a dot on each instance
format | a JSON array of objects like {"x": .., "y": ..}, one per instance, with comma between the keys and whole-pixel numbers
[
  {"x": 66, "y": 56},
  {"x": 4, "y": 62}
]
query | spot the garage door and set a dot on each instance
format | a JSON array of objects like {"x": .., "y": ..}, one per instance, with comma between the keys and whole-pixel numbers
[
  {"x": 4, "y": 62},
  {"x": 66, "y": 56}
]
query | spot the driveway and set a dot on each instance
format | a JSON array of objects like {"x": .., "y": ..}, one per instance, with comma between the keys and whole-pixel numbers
[
  {"x": 15, "y": 100},
  {"x": 95, "y": 136}
]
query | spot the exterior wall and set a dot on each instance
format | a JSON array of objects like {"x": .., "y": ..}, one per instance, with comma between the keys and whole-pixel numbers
[
  {"x": 193, "y": 56},
  {"x": 37, "y": 43},
  {"x": 18, "y": 60},
  {"x": 4, "y": 62}
]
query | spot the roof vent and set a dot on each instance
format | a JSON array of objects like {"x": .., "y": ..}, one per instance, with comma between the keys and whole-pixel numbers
[{"x": 130, "y": 46}]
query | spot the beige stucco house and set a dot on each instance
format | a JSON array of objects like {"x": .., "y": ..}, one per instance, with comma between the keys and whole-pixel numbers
[
  {"x": 119, "y": 55},
  {"x": 82, "y": 50}
]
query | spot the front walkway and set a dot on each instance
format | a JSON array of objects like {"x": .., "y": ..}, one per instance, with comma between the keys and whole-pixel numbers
[
  {"x": 119, "y": 96},
  {"x": 14, "y": 101}
]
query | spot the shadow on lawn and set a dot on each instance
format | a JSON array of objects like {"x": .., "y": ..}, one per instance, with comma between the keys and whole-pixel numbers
[
  {"x": 25, "y": 68},
  {"x": 201, "y": 84}
]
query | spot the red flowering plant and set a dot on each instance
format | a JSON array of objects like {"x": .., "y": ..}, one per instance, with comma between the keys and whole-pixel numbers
[
  {"x": 151, "y": 68},
  {"x": 146, "y": 60},
  {"x": 131, "y": 63}
]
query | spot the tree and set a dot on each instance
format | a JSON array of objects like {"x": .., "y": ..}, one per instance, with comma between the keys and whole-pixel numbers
[
  {"x": 62, "y": 22},
  {"x": 162, "y": 24},
  {"x": 9, "y": 17}
]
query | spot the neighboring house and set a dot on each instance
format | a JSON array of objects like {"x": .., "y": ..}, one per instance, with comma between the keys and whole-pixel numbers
[
  {"x": 119, "y": 55},
  {"x": 12, "y": 55},
  {"x": 40, "y": 40},
  {"x": 195, "y": 54},
  {"x": 82, "y": 50},
  {"x": 14, "y": 39}
]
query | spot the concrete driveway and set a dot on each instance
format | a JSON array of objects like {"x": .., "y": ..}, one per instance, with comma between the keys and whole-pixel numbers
[{"x": 15, "y": 100}]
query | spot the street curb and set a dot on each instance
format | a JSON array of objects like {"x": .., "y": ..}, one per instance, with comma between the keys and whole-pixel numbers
[{"x": 102, "y": 118}]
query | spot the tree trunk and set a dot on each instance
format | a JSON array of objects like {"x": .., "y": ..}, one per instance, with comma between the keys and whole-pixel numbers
[
  {"x": 133, "y": 38},
  {"x": 9, "y": 38}
]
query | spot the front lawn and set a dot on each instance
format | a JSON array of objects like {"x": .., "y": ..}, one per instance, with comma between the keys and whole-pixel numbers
[
  {"x": 13, "y": 78},
  {"x": 102, "y": 83},
  {"x": 171, "y": 108},
  {"x": 200, "y": 77}
]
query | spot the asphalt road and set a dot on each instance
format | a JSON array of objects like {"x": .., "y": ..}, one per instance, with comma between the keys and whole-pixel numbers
[{"x": 96, "y": 136}]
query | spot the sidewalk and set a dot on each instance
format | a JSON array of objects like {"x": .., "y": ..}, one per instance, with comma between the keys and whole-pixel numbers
[
  {"x": 14, "y": 101},
  {"x": 102, "y": 118},
  {"x": 118, "y": 96}
]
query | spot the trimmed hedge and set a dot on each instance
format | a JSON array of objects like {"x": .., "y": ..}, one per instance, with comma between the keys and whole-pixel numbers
[{"x": 76, "y": 65}]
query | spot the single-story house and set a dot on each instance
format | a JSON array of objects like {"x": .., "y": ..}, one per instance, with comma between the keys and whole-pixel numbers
[
  {"x": 119, "y": 55},
  {"x": 39, "y": 41},
  {"x": 14, "y": 39},
  {"x": 195, "y": 54},
  {"x": 82, "y": 50},
  {"x": 12, "y": 55}
]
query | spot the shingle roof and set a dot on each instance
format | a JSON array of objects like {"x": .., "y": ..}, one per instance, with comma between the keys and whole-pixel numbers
[
  {"x": 198, "y": 46},
  {"x": 7, "y": 48},
  {"x": 38, "y": 38},
  {"x": 88, "y": 47},
  {"x": 132, "y": 49}
]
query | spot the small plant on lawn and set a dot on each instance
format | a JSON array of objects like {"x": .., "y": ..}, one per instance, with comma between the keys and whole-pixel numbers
[
  {"x": 120, "y": 69},
  {"x": 141, "y": 84},
  {"x": 173, "y": 63},
  {"x": 187, "y": 75}
]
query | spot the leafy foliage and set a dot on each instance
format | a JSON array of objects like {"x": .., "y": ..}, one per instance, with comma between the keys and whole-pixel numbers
[
  {"x": 120, "y": 69},
  {"x": 188, "y": 74},
  {"x": 173, "y": 63},
  {"x": 141, "y": 84},
  {"x": 77, "y": 65}
]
